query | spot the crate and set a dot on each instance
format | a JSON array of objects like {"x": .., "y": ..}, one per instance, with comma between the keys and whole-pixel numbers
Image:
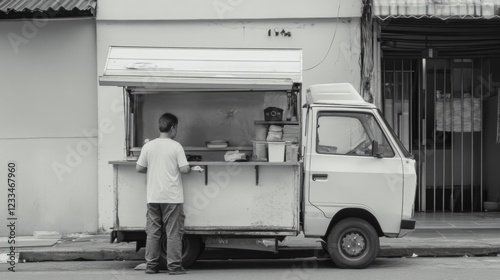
[{"x": 276, "y": 151}]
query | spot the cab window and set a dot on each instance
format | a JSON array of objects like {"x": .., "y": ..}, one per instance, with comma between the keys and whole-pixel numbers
[{"x": 350, "y": 134}]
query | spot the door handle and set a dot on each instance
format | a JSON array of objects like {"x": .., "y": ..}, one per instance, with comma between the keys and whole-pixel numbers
[{"x": 319, "y": 177}]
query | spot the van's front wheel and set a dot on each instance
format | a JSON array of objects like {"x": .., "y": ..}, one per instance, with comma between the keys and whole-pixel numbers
[{"x": 353, "y": 243}]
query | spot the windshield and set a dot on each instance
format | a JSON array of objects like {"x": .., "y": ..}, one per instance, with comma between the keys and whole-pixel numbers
[{"x": 406, "y": 154}]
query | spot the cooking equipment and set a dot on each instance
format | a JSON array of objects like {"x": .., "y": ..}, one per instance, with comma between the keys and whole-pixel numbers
[{"x": 273, "y": 114}]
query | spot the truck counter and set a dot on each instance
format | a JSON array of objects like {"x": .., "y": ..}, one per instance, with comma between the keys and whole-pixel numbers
[{"x": 256, "y": 198}]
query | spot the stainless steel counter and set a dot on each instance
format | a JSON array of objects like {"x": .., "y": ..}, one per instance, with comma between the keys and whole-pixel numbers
[{"x": 238, "y": 163}]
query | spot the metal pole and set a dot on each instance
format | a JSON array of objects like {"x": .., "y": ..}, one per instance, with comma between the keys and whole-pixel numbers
[
  {"x": 400, "y": 119},
  {"x": 394, "y": 79},
  {"x": 434, "y": 136},
  {"x": 462, "y": 110},
  {"x": 419, "y": 143},
  {"x": 482, "y": 126},
  {"x": 444, "y": 131},
  {"x": 452, "y": 132},
  {"x": 410, "y": 116},
  {"x": 424, "y": 134},
  {"x": 126, "y": 108},
  {"x": 383, "y": 88},
  {"x": 472, "y": 139}
]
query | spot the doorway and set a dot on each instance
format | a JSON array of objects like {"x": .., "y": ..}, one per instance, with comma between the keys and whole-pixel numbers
[{"x": 435, "y": 106}]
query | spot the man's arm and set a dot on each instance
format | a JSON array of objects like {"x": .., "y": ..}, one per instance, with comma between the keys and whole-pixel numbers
[
  {"x": 141, "y": 169},
  {"x": 185, "y": 169}
]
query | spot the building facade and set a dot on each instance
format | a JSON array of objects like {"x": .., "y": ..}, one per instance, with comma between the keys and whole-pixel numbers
[
  {"x": 439, "y": 82},
  {"x": 431, "y": 66}
]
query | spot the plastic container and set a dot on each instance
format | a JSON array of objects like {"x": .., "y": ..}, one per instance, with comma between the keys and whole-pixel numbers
[
  {"x": 260, "y": 132},
  {"x": 276, "y": 151},
  {"x": 259, "y": 151},
  {"x": 291, "y": 153}
]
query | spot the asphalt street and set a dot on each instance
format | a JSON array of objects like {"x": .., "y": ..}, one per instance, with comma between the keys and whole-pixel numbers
[{"x": 484, "y": 268}]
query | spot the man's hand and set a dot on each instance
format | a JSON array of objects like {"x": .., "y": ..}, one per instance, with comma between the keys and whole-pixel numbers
[{"x": 197, "y": 168}]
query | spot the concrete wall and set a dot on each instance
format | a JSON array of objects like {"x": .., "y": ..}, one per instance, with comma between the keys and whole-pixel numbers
[
  {"x": 49, "y": 123},
  {"x": 330, "y": 53},
  {"x": 225, "y": 9}
]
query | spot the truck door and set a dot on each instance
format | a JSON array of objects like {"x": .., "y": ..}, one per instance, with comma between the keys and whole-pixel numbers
[{"x": 341, "y": 171}]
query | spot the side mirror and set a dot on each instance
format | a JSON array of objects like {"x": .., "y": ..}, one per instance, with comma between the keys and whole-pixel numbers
[{"x": 376, "y": 150}]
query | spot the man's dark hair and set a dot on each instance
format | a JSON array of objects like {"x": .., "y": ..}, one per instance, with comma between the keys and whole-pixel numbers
[{"x": 167, "y": 121}]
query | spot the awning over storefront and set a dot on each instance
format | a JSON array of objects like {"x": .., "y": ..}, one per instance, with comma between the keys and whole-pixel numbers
[
  {"x": 12, "y": 9},
  {"x": 444, "y": 9},
  {"x": 452, "y": 38},
  {"x": 202, "y": 69}
]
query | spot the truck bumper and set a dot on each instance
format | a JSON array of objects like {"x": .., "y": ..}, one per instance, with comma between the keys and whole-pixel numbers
[{"x": 407, "y": 226}]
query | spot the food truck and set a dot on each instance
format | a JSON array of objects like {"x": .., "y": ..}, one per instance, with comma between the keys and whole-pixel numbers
[{"x": 275, "y": 161}]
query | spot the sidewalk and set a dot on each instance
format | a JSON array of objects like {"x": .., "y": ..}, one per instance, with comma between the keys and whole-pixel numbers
[{"x": 440, "y": 234}]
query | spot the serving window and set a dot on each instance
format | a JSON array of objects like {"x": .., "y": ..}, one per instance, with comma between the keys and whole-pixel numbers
[{"x": 203, "y": 117}]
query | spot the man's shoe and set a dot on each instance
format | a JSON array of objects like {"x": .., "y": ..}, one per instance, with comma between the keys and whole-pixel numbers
[
  {"x": 150, "y": 270},
  {"x": 177, "y": 271}
]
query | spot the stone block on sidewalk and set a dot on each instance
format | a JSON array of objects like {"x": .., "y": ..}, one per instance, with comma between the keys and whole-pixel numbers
[{"x": 47, "y": 235}]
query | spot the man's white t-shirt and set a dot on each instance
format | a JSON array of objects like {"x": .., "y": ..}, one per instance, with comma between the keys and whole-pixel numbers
[{"x": 163, "y": 157}]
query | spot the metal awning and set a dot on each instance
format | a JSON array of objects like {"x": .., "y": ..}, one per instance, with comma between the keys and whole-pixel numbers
[
  {"x": 149, "y": 69},
  {"x": 452, "y": 38},
  {"x": 443, "y": 9},
  {"x": 12, "y": 9}
]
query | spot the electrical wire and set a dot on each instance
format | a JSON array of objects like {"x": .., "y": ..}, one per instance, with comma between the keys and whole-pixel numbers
[{"x": 331, "y": 42}]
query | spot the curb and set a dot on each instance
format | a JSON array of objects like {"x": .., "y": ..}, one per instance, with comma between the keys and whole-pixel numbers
[
  {"x": 439, "y": 252},
  {"x": 97, "y": 255},
  {"x": 284, "y": 253}
]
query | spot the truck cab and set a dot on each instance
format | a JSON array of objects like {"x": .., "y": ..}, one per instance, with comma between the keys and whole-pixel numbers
[{"x": 359, "y": 180}]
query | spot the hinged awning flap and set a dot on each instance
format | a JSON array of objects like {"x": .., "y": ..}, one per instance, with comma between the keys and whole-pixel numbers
[
  {"x": 202, "y": 69},
  {"x": 443, "y": 9}
]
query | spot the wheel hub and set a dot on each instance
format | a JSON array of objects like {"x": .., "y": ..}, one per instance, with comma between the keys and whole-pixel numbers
[{"x": 353, "y": 244}]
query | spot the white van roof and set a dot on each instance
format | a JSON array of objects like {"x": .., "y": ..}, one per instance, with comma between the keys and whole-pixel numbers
[{"x": 337, "y": 93}]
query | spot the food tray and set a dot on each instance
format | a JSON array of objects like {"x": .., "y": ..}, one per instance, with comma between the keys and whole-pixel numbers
[{"x": 214, "y": 144}]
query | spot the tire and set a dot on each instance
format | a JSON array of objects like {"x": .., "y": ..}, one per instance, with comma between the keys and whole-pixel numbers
[
  {"x": 192, "y": 247},
  {"x": 357, "y": 232}
]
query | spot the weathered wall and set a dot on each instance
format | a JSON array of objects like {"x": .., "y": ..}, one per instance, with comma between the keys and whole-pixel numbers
[
  {"x": 225, "y": 9},
  {"x": 49, "y": 123}
]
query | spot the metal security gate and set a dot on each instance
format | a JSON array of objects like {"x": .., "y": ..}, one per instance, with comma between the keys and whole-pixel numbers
[{"x": 435, "y": 107}]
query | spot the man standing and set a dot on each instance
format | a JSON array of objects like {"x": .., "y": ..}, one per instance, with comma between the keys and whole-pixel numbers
[{"x": 163, "y": 159}]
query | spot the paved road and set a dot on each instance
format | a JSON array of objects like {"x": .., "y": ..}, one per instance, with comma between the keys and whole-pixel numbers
[{"x": 483, "y": 268}]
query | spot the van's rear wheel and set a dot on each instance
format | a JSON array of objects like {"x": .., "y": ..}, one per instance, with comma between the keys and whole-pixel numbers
[
  {"x": 192, "y": 247},
  {"x": 353, "y": 243}
]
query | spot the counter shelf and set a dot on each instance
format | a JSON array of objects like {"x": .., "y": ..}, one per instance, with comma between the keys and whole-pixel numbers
[
  {"x": 205, "y": 149},
  {"x": 206, "y": 164},
  {"x": 133, "y": 162},
  {"x": 276, "y": 122}
]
